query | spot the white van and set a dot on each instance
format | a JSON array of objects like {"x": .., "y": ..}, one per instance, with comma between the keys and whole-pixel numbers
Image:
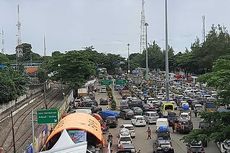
[
  {"x": 162, "y": 122},
  {"x": 151, "y": 117},
  {"x": 138, "y": 120},
  {"x": 103, "y": 89}
]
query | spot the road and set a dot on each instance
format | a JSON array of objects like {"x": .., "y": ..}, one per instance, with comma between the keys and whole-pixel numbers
[{"x": 141, "y": 142}]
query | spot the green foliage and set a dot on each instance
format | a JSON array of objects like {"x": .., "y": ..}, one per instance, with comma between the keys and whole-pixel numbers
[
  {"x": 12, "y": 85},
  {"x": 220, "y": 79},
  {"x": 218, "y": 131},
  {"x": 73, "y": 68},
  {"x": 3, "y": 59},
  {"x": 113, "y": 105}
]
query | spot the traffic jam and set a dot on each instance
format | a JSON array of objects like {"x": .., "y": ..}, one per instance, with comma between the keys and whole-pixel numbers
[{"x": 141, "y": 107}]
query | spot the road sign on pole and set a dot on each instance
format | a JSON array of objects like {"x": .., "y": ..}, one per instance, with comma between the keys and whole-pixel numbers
[
  {"x": 45, "y": 116},
  {"x": 106, "y": 82},
  {"x": 120, "y": 82}
]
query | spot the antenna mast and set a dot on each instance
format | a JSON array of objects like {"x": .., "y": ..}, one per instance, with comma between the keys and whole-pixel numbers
[
  {"x": 19, "y": 29},
  {"x": 203, "y": 31},
  {"x": 3, "y": 43},
  {"x": 44, "y": 45},
  {"x": 143, "y": 33}
]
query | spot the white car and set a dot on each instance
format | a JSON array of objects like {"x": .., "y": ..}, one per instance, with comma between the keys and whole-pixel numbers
[
  {"x": 185, "y": 115},
  {"x": 151, "y": 117},
  {"x": 225, "y": 146},
  {"x": 138, "y": 120},
  {"x": 124, "y": 138},
  {"x": 130, "y": 128}
]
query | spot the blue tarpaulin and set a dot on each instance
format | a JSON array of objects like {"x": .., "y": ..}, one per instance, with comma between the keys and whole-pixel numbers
[{"x": 105, "y": 114}]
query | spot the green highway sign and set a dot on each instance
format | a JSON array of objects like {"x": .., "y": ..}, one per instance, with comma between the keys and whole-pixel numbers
[
  {"x": 106, "y": 82},
  {"x": 45, "y": 116},
  {"x": 120, "y": 82}
]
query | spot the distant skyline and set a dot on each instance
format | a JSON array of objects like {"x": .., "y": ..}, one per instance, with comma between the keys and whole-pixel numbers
[{"x": 108, "y": 25}]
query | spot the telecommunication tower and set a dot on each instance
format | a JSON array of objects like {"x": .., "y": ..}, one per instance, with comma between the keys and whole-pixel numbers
[
  {"x": 44, "y": 43},
  {"x": 143, "y": 32},
  {"x": 19, "y": 41},
  {"x": 203, "y": 31},
  {"x": 2, "y": 36}
]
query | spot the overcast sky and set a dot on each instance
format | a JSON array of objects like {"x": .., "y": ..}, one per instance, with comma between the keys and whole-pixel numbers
[{"x": 108, "y": 25}]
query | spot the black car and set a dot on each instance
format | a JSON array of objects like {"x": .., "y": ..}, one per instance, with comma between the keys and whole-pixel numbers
[
  {"x": 195, "y": 147},
  {"x": 162, "y": 146},
  {"x": 104, "y": 101},
  {"x": 127, "y": 148},
  {"x": 111, "y": 121},
  {"x": 172, "y": 118},
  {"x": 126, "y": 114}
]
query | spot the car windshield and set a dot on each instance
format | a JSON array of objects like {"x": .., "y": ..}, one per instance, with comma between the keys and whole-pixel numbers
[
  {"x": 125, "y": 139},
  {"x": 168, "y": 107},
  {"x": 140, "y": 118},
  {"x": 130, "y": 127}
]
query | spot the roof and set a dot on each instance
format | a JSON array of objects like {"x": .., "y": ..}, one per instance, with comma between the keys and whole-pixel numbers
[
  {"x": 81, "y": 121},
  {"x": 127, "y": 125}
]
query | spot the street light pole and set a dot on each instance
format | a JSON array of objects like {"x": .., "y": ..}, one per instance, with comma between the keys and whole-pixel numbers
[
  {"x": 128, "y": 60},
  {"x": 146, "y": 53},
  {"x": 166, "y": 51}
]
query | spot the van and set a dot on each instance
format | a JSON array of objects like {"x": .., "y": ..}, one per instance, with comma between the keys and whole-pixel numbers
[
  {"x": 167, "y": 107},
  {"x": 151, "y": 117},
  {"x": 162, "y": 122},
  {"x": 103, "y": 89}
]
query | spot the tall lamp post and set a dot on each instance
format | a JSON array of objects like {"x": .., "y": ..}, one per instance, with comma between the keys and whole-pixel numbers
[
  {"x": 128, "y": 60},
  {"x": 146, "y": 53},
  {"x": 166, "y": 52}
]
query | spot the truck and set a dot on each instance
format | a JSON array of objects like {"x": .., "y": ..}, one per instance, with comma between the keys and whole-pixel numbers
[{"x": 82, "y": 92}]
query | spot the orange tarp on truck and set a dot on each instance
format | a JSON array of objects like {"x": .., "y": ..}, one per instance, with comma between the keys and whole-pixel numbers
[{"x": 81, "y": 121}]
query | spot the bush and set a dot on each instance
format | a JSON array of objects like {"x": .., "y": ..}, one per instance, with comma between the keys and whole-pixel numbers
[{"x": 113, "y": 105}]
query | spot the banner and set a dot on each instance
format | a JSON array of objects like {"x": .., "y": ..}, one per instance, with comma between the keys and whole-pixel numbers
[{"x": 77, "y": 135}]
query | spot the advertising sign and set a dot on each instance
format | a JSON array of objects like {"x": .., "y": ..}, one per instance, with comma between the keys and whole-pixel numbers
[{"x": 77, "y": 135}]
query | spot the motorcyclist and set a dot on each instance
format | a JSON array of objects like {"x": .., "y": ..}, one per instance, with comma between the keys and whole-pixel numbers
[{"x": 110, "y": 139}]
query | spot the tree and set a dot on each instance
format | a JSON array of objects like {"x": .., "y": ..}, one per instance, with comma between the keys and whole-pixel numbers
[
  {"x": 3, "y": 59},
  {"x": 12, "y": 85}
]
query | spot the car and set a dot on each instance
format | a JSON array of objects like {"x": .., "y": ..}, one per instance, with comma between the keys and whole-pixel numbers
[
  {"x": 225, "y": 146},
  {"x": 124, "y": 138},
  {"x": 172, "y": 117},
  {"x": 138, "y": 120},
  {"x": 126, "y": 114},
  {"x": 126, "y": 148},
  {"x": 204, "y": 124},
  {"x": 124, "y": 104},
  {"x": 184, "y": 125},
  {"x": 111, "y": 121},
  {"x": 104, "y": 101},
  {"x": 130, "y": 128},
  {"x": 198, "y": 108},
  {"x": 137, "y": 111},
  {"x": 185, "y": 115},
  {"x": 195, "y": 147},
  {"x": 151, "y": 117},
  {"x": 162, "y": 146}
]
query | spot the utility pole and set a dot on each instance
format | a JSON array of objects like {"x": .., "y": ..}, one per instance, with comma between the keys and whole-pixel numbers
[
  {"x": 142, "y": 35},
  {"x": 146, "y": 53},
  {"x": 32, "y": 120},
  {"x": 166, "y": 51},
  {"x": 128, "y": 60},
  {"x": 12, "y": 127},
  {"x": 203, "y": 32},
  {"x": 45, "y": 102}
]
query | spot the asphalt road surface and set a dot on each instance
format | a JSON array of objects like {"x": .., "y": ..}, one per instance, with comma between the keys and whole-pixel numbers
[{"x": 146, "y": 146}]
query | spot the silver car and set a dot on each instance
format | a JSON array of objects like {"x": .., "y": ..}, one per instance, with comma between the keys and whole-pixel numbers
[{"x": 151, "y": 117}]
